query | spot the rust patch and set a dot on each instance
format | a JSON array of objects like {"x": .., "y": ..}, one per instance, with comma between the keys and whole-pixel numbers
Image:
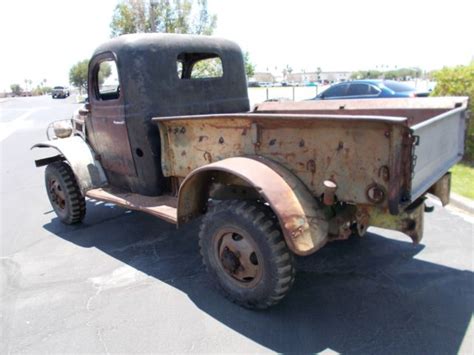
[
  {"x": 311, "y": 167},
  {"x": 384, "y": 173},
  {"x": 207, "y": 157},
  {"x": 375, "y": 193},
  {"x": 160, "y": 206}
]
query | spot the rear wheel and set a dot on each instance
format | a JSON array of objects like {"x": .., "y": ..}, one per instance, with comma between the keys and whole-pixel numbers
[
  {"x": 64, "y": 193},
  {"x": 245, "y": 253}
]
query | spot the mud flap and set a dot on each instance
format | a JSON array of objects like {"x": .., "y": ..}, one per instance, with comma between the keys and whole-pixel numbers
[
  {"x": 413, "y": 220},
  {"x": 442, "y": 189}
]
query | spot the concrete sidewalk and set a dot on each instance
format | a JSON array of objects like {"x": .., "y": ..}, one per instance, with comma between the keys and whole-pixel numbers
[{"x": 462, "y": 202}]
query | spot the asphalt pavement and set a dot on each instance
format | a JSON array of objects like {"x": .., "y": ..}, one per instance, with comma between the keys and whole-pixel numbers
[{"x": 124, "y": 281}]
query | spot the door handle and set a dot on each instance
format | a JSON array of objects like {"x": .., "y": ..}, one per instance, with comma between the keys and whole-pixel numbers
[{"x": 118, "y": 122}]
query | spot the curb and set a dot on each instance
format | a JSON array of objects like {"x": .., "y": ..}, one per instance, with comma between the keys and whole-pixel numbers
[{"x": 461, "y": 202}]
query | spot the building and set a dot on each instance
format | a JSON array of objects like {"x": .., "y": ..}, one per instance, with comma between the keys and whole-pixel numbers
[
  {"x": 264, "y": 77},
  {"x": 303, "y": 77},
  {"x": 323, "y": 76}
]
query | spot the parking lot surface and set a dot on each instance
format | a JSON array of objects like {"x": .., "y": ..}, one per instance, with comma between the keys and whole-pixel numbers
[{"x": 127, "y": 282}]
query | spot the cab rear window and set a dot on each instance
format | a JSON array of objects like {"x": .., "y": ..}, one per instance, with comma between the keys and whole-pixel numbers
[{"x": 199, "y": 66}]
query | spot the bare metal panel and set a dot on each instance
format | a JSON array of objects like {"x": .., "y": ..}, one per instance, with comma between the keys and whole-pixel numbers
[{"x": 440, "y": 146}]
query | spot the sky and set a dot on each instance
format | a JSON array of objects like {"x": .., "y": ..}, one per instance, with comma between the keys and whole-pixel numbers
[{"x": 42, "y": 39}]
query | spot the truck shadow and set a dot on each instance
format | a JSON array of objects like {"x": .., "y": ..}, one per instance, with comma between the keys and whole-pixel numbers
[{"x": 356, "y": 296}]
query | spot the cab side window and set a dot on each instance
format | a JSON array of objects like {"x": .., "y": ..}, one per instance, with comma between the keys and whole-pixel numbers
[{"x": 108, "y": 85}]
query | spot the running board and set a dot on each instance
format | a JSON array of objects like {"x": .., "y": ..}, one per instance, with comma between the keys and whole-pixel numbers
[{"x": 163, "y": 207}]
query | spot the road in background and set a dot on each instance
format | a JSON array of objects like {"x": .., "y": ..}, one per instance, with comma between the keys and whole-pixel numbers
[{"x": 125, "y": 281}]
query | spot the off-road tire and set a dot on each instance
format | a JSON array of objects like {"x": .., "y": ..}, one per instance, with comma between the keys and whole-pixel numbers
[
  {"x": 73, "y": 207},
  {"x": 275, "y": 260}
]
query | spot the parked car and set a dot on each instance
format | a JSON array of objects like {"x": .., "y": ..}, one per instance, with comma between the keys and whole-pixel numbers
[
  {"x": 60, "y": 92},
  {"x": 369, "y": 89}
]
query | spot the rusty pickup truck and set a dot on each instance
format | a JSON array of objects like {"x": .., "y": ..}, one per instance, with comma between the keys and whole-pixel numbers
[{"x": 173, "y": 135}]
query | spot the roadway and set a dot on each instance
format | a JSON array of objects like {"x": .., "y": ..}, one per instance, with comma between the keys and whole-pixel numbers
[{"x": 124, "y": 281}]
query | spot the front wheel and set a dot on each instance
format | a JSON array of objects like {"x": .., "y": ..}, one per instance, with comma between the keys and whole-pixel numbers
[
  {"x": 245, "y": 253},
  {"x": 64, "y": 193}
]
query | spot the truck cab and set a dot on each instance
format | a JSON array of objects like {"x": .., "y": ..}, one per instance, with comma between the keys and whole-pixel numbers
[{"x": 156, "y": 75}]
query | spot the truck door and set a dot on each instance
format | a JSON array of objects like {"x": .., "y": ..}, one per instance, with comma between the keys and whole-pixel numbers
[{"x": 109, "y": 136}]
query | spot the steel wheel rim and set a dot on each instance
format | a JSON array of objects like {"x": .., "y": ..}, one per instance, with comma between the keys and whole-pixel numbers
[
  {"x": 58, "y": 197},
  {"x": 238, "y": 256}
]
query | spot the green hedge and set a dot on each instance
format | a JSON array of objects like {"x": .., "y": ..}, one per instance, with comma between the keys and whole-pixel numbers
[{"x": 459, "y": 81}]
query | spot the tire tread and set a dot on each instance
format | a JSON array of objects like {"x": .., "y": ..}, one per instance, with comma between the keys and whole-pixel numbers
[
  {"x": 264, "y": 220},
  {"x": 74, "y": 197}
]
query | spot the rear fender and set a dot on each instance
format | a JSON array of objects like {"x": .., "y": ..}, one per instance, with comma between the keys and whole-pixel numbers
[
  {"x": 302, "y": 221},
  {"x": 88, "y": 171}
]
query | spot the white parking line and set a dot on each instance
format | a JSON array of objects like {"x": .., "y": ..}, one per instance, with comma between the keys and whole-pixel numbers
[{"x": 7, "y": 128}]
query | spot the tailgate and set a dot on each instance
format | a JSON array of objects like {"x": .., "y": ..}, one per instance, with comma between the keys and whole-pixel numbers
[{"x": 440, "y": 145}]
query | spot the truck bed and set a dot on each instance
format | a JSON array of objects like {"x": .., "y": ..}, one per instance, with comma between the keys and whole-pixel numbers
[
  {"x": 438, "y": 123},
  {"x": 401, "y": 145},
  {"x": 414, "y": 110}
]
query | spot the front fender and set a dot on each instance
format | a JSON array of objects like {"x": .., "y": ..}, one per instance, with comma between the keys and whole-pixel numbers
[
  {"x": 88, "y": 171},
  {"x": 302, "y": 221}
]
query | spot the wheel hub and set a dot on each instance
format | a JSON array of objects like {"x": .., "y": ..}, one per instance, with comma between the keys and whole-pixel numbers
[
  {"x": 237, "y": 253},
  {"x": 230, "y": 261},
  {"x": 57, "y": 194}
]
